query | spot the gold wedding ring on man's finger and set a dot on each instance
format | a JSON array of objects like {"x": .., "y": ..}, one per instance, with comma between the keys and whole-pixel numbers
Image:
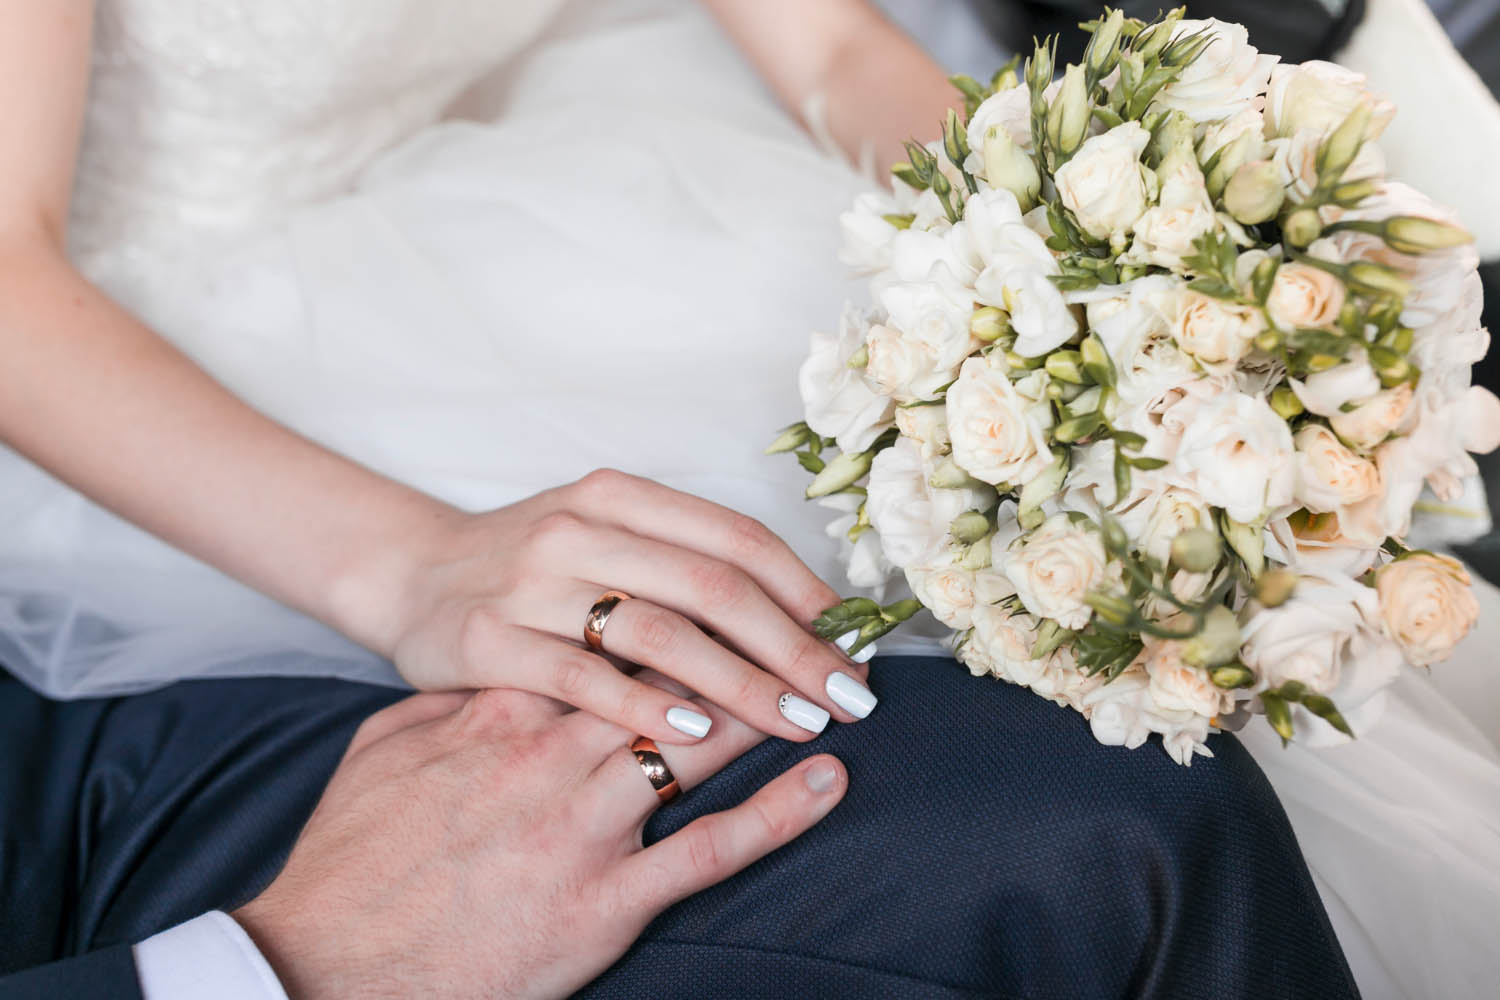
[
  {"x": 654, "y": 766},
  {"x": 598, "y": 617}
]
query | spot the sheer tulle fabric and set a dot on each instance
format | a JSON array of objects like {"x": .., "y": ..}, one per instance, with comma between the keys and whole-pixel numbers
[{"x": 609, "y": 267}]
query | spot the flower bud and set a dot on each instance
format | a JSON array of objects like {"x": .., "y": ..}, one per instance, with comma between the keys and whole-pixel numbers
[
  {"x": 1231, "y": 676},
  {"x": 860, "y": 358},
  {"x": 1008, "y": 167},
  {"x": 1263, "y": 277},
  {"x": 1268, "y": 341},
  {"x": 949, "y": 475},
  {"x": 1378, "y": 279},
  {"x": 989, "y": 324},
  {"x": 1285, "y": 402},
  {"x": 840, "y": 474},
  {"x": 1044, "y": 486},
  {"x": 1217, "y": 643},
  {"x": 1097, "y": 364},
  {"x": 1340, "y": 148},
  {"x": 1197, "y": 550},
  {"x": 1065, "y": 365},
  {"x": 1150, "y": 42},
  {"x": 790, "y": 439},
  {"x": 1176, "y": 131},
  {"x": 1278, "y": 714},
  {"x": 1412, "y": 234},
  {"x": 969, "y": 527},
  {"x": 1078, "y": 428},
  {"x": 1068, "y": 118},
  {"x": 1254, "y": 194},
  {"x": 955, "y": 139},
  {"x": 1248, "y": 542},
  {"x": 1104, "y": 48},
  {"x": 1274, "y": 587},
  {"x": 1351, "y": 193},
  {"x": 1111, "y": 607},
  {"x": 1302, "y": 227},
  {"x": 1228, "y": 161}
]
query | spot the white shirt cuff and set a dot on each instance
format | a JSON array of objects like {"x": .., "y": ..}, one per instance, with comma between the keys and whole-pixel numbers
[{"x": 209, "y": 956}]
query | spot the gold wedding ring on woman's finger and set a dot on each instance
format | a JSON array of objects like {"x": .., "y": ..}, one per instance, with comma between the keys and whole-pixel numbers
[{"x": 598, "y": 617}]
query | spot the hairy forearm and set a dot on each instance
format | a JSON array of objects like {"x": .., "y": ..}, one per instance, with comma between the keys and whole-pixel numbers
[
  {"x": 103, "y": 403},
  {"x": 876, "y": 87}
]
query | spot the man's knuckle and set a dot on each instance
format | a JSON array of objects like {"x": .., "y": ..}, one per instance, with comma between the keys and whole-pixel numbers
[
  {"x": 720, "y": 585},
  {"x": 705, "y": 848},
  {"x": 559, "y": 527},
  {"x": 750, "y": 539},
  {"x": 658, "y": 632}
]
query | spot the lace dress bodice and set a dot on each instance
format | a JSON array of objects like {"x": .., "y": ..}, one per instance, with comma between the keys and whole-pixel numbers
[{"x": 210, "y": 115}]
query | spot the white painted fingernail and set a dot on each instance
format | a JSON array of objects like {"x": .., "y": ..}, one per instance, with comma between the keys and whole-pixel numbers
[
  {"x": 693, "y": 724},
  {"x": 801, "y": 712},
  {"x": 849, "y": 639},
  {"x": 850, "y": 695},
  {"x": 820, "y": 777}
]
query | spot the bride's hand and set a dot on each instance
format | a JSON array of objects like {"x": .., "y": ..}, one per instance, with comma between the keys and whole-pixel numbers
[{"x": 503, "y": 603}]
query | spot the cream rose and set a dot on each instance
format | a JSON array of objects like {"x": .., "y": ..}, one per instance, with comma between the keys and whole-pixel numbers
[
  {"x": 1320, "y": 95},
  {"x": 927, "y": 426},
  {"x": 1226, "y": 78},
  {"x": 1216, "y": 334},
  {"x": 1055, "y": 568},
  {"x": 1331, "y": 477},
  {"x": 1175, "y": 511},
  {"x": 1426, "y": 605},
  {"x": 999, "y": 435},
  {"x": 1326, "y": 393},
  {"x": 1104, "y": 184},
  {"x": 839, "y": 403},
  {"x": 1009, "y": 109},
  {"x": 1238, "y": 454},
  {"x": 946, "y": 591},
  {"x": 1303, "y": 295},
  {"x": 1178, "y": 686},
  {"x": 1002, "y": 642},
  {"x": 1370, "y": 423}
]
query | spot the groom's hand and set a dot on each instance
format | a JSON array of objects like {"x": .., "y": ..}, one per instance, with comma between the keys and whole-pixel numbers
[{"x": 489, "y": 845}]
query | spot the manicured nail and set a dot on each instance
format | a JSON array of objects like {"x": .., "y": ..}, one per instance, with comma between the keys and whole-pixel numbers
[
  {"x": 850, "y": 695},
  {"x": 694, "y": 724},
  {"x": 821, "y": 776},
  {"x": 801, "y": 712},
  {"x": 850, "y": 638}
]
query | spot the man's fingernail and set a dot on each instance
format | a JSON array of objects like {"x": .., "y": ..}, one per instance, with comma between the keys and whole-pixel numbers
[
  {"x": 849, "y": 639},
  {"x": 821, "y": 776},
  {"x": 688, "y": 722},
  {"x": 850, "y": 695},
  {"x": 801, "y": 712}
]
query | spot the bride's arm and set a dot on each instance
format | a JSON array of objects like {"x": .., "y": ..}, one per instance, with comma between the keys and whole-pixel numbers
[
  {"x": 879, "y": 86},
  {"x": 457, "y": 599}
]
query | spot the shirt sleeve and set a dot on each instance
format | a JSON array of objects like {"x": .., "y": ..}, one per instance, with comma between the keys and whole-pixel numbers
[{"x": 208, "y": 956}]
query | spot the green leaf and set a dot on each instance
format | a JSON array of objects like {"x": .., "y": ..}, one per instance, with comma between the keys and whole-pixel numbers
[{"x": 812, "y": 463}]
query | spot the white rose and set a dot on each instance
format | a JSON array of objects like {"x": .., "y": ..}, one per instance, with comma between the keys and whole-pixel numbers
[
  {"x": 1165, "y": 233},
  {"x": 1372, "y": 421},
  {"x": 1446, "y": 349},
  {"x": 932, "y": 318},
  {"x": 1326, "y": 393},
  {"x": 1248, "y": 121},
  {"x": 1319, "y": 95},
  {"x": 1238, "y": 453},
  {"x": 1009, "y": 109},
  {"x": 1136, "y": 333},
  {"x": 1216, "y": 334},
  {"x": 1224, "y": 80},
  {"x": 1329, "y": 475},
  {"x": 839, "y": 403},
  {"x": 1178, "y": 686},
  {"x": 1318, "y": 545},
  {"x": 1296, "y": 158},
  {"x": 998, "y": 435},
  {"x": 913, "y": 517},
  {"x": 1303, "y": 295},
  {"x": 1014, "y": 265},
  {"x": 1104, "y": 184},
  {"x": 1325, "y": 637},
  {"x": 1124, "y": 713},
  {"x": 867, "y": 235},
  {"x": 1054, "y": 569},
  {"x": 1426, "y": 605}
]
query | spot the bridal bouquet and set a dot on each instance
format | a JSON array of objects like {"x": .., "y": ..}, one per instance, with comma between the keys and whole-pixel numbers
[{"x": 1155, "y": 365}]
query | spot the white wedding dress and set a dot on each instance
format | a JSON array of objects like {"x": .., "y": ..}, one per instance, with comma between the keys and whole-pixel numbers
[{"x": 486, "y": 247}]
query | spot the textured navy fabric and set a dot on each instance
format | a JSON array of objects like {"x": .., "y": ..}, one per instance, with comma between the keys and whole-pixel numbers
[
  {"x": 107, "y": 974},
  {"x": 988, "y": 847}
]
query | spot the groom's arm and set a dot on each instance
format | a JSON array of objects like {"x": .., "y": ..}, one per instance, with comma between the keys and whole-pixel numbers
[{"x": 209, "y": 956}]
